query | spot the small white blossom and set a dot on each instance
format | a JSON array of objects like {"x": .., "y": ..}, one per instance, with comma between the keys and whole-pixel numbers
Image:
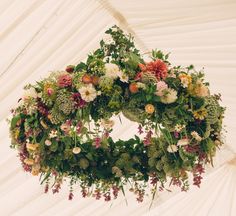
[{"x": 53, "y": 134}]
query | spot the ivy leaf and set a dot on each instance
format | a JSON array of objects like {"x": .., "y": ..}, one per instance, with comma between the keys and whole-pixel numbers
[
  {"x": 54, "y": 146},
  {"x": 81, "y": 66}
]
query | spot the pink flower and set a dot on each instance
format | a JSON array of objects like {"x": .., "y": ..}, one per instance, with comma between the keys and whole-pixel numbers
[
  {"x": 79, "y": 127},
  {"x": 147, "y": 138},
  {"x": 64, "y": 80},
  {"x": 66, "y": 127},
  {"x": 50, "y": 91},
  {"x": 161, "y": 86}
]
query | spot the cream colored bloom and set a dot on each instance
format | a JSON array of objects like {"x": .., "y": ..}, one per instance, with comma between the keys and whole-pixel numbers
[
  {"x": 112, "y": 70},
  {"x": 172, "y": 148},
  {"x": 183, "y": 142},
  {"x": 31, "y": 146},
  {"x": 107, "y": 123},
  {"x": 201, "y": 89},
  {"x": 76, "y": 150},
  {"x": 29, "y": 161},
  {"x": 196, "y": 136},
  {"x": 53, "y": 134},
  {"x": 30, "y": 93},
  {"x": 169, "y": 96},
  {"x": 48, "y": 142},
  {"x": 88, "y": 93}
]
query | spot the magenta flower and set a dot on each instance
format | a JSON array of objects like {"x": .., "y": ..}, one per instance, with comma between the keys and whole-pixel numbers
[
  {"x": 79, "y": 102},
  {"x": 97, "y": 142}
]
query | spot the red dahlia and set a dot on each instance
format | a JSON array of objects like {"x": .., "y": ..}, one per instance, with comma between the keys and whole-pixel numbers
[{"x": 158, "y": 68}]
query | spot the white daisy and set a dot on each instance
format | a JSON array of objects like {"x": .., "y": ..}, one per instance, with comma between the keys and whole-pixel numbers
[
  {"x": 123, "y": 77},
  {"x": 88, "y": 93}
]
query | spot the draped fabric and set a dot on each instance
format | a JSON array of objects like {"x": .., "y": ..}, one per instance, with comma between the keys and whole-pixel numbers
[{"x": 38, "y": 36}]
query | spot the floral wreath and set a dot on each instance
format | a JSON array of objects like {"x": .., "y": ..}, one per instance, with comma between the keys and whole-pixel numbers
[{"x": 61, "y": 126}]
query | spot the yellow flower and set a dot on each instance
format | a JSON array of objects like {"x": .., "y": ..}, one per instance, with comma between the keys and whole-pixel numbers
[
  {"x": 185, "y": 79},
  {"x": 149, "y": 108},
  {"x": 45, "y": 126},
  {"x": 198, "y": 89},
  {"x": 16, "y": 133},
  {"x": 29, "y": 161},
  {"x": 35, "y": 170},
  {"x": 200, "y": 114},
  {"x": 76, "y": 150},
  {"x": 31, "y": 146}
]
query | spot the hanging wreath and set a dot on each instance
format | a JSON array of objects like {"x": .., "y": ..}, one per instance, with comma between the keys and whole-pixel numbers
[{"x": 61, "y": 126}]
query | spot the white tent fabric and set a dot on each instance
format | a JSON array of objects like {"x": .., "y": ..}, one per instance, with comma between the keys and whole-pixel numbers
[{"x": 38, "y": 36}]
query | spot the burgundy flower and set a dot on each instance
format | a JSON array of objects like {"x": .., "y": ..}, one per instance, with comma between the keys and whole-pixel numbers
[
  {"x": 64, "y": 80},
  {"x": 140, "y": 129},
  {"x": 70, "y": 68},
  {"x": 147, "y": 138},
  {"x": 71, "y": 195},
  {"x": 79, "y": 102}
]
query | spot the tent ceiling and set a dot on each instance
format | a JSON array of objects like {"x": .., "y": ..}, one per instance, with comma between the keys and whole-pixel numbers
[{"x": 37, "y": 36}]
